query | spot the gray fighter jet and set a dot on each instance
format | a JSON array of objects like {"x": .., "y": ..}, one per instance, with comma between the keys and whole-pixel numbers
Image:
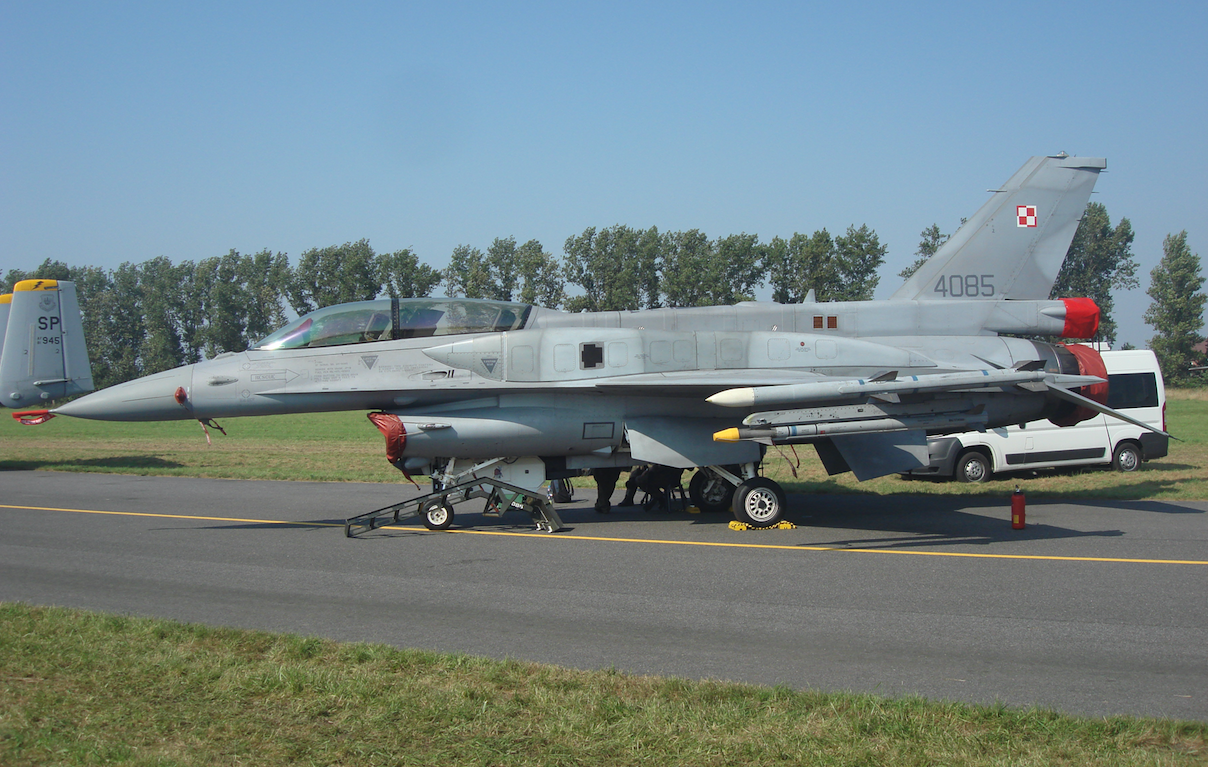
[{"x": 472, "y": 391}]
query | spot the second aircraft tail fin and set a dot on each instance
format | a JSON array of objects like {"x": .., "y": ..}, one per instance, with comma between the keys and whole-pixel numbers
[
  {"x": 43, "y": 356},
  {"x": 1014, "y": 245}
]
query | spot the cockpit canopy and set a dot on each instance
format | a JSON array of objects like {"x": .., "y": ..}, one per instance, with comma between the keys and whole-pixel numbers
[{"x": 391, "y": 318}]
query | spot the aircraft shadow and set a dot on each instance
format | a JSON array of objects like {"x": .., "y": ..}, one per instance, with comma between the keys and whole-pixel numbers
[
  {"x": 313, "y": 524},
  {"x": 892, "y": 521},
  {"x": 923, "y": 521},
  {"x": 1113, "y": 486},
  {"x": 112, "y": 462}
]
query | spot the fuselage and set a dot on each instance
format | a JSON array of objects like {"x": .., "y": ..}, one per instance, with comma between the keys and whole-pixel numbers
[{"x": 537, "y": 381}]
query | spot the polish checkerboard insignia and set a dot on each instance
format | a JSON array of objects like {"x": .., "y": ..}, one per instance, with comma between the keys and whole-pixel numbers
[{"x": 1026, "y": 215}]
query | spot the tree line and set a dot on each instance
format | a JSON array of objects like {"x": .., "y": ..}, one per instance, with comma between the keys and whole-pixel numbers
[{"x": 144, "y": 318}]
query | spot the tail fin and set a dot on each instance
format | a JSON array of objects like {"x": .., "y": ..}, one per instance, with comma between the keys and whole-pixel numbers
[
  {"x": 43, "y": 356},
  {"x": 1014, "y": 245}
]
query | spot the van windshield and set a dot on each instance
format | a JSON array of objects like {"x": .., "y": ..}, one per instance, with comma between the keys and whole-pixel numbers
[{"x": 386, "y": 319}]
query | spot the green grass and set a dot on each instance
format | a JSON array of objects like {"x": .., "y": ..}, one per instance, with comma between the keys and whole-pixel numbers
[
  {"x": 85, "y": 688},
  {"x": 329, "y": 447},
  {"x": 335, "y": 447}
]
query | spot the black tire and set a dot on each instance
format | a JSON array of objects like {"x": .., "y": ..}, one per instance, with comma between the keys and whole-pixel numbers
[
  {"x": 1126, "y": 457},
  {"x": 438, "y": 516},
  {"x": 973, "y": 467},
  {"x": 710, "y": 493},
  {"x": 759, "y": 502},
  {"x": 561, "y": 491}
]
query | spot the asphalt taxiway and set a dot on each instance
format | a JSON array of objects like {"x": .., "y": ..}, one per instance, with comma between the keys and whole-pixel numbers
[{"x": 1096, "y": 608}]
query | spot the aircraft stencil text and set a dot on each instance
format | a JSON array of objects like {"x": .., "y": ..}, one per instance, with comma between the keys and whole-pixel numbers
[{"x": 965, "y": 285}]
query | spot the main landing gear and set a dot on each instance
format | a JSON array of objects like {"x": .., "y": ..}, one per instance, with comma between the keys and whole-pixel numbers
[{"x": 754, "y": 500}]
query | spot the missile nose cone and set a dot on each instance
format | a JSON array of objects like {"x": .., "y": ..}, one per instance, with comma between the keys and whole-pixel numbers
[
  {"x": 733, "y": 398},
  {"x": 152, "y": 398}
]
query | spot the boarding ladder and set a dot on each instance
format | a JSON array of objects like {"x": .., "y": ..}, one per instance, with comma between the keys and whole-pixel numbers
[{"x": 436, "y": 508}]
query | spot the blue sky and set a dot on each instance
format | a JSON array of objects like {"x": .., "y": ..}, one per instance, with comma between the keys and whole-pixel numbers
[{"x": 130, "y": 131}]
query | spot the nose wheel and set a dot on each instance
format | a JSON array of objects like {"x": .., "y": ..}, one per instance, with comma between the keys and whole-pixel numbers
[{"x": 759, "y": 502}]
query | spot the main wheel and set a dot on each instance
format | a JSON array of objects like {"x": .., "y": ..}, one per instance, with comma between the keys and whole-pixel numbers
[
  {"x": 1127, "y": 457},
  {"x": 973, "y": 467},
  {"x": 438, "y": 516},
  {"x": 710, "y": 492},
  {"x": 759, "y": 502}
]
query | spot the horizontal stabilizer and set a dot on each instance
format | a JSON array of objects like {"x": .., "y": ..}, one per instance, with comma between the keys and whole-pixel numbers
[{"x": 1086, "y": 402}]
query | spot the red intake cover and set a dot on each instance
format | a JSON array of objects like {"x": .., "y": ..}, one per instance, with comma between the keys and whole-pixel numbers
[
  {"x": 1089, "y": 364},
  {"x": 1081, "y": 318},
  {"x": 391, "y": 427}
]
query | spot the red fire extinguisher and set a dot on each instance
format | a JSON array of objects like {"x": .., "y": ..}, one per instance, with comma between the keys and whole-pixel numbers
[{"x": 1018, "y": 502}]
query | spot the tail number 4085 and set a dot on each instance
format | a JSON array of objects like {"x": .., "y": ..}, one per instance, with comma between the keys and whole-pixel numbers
[{"x": 965, "y": 286}]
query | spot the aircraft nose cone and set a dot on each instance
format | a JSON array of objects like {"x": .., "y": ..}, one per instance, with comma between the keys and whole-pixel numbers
[{"x": 151, "y": 398}]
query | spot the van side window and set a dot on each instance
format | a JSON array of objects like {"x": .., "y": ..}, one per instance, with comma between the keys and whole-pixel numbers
[{"x": 1125, "y": 390}]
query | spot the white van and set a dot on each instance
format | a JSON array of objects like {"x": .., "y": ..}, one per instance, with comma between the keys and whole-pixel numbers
[{"x": 1134, "y": 386}]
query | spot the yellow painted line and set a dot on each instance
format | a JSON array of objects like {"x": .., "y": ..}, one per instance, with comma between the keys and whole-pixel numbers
[
  {"x": 561, "y": 536},
  {"x": 173, "y": 516},
  {"x": 568, "y": 537}
]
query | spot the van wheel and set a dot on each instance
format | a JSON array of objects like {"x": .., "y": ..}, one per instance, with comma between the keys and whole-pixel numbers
[
  {"x": 973, "y": 467},
  {"x": 1127, "y": 457}
]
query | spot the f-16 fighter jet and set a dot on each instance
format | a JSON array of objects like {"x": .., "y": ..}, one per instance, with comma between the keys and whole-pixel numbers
[{"x": 466, "y": 389}]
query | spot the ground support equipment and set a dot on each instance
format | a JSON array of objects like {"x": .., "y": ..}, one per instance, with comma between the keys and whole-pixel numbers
[{"x": 436, "y": 508}]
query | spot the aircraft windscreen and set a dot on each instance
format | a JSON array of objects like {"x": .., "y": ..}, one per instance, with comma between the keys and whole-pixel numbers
[{"x": 367, "y": 321}]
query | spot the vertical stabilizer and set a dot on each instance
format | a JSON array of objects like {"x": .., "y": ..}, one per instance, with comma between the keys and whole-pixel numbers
[
  {"x": 6, "y": 302},
  {"x": 1014, "y": 245},
  {"x": 43, "y": 356}
]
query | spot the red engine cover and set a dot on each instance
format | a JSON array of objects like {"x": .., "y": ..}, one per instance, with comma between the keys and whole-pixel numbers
[
  {"x": 1089, "y": 364},
  {"x": 1081, "y": 318}
]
